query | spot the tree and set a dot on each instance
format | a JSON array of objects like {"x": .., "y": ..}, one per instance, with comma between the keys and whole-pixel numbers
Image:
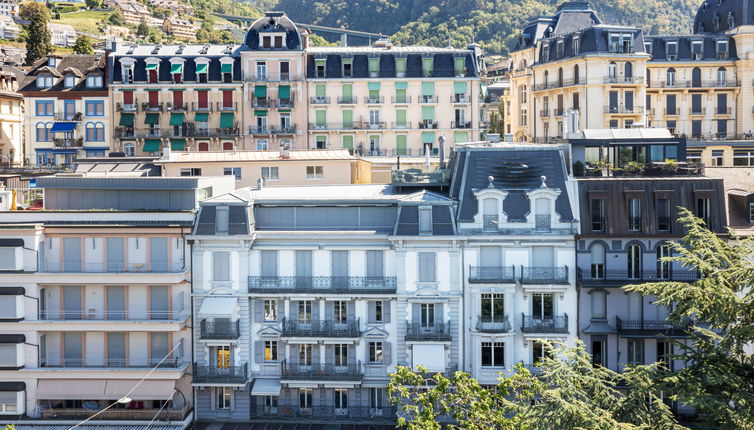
[
  {"x": 718, "y": 379},
  {"x": 143, "y": 29},
  {"x": 116, "y": 18},
  {"x": 566, "y": 393},
  {"x": 83, "y": 45},
  {"x": 318, "y": 40},
  {"x": 38, "y": 36},
  {"x": 93, "y": 4}
]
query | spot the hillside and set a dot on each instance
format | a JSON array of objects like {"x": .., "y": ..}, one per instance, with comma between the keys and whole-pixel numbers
[{"x": 492, "y": 23}]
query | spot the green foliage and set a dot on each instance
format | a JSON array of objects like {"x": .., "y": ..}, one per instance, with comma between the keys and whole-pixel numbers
[
  {"x": 718, "y": 379},
  {"x": 116, "y": 18},
  {"x": 143, "y": 29},
  {"x": 83, "y": 45},
  {"x": 93, "y": 4},
  {"x": 229, "y": 7},
  {"x": 37, "y": 34},
  {"x": 566, "y": 393},
  {"x": 321, "y": 41}
]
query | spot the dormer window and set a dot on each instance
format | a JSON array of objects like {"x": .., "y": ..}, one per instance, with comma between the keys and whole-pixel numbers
[
  {"x": 648, "y": 47},
  {"x": 576, "y": 45},
  {"x": 69, "y": 81},
  {"x": 319, "y": 68},
  {"x": 201, "y": 72},
  {"x": 94, "y": 81},
  {"x": 671, "y": 50},
  {"x": 53, "y": 61},
  {"x": 696, "y": 50},
  {"x": 428, "y": 64},
  {"x": 226, "y": 69},
  {"x": 722, "y": 49},
  {"x": 425, "y": 220},
  {"x": 459, "y": 66},
  {"x": 266, "y": 42},
  {"x": 127, "y": 75},
  {"x": 348, "y": 67},
  {"x": 400, "y": 67},
  {"x": 560, "y": 47},
  {"x": 44, "y": 81},
  {"x": 176, "y": 72},
  {"x": 374, "y": 67},
  {"x": 152, "y": 73},
  {"x": 278, "y": 42}
]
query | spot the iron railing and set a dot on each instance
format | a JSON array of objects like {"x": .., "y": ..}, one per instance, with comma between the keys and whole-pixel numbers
[
  {"x": 319, "y": 100},
  {"x": 493, "y": 324},
  {"x": 460, "y": 98},
  {"x": 219, "y": 329},
  {"x": 490, "y": 223},
  {"x": 291, "y": 129},
  {"x": 311, "y": 328},
  {"x": 110, "y": 267},
  {"x": 492, "y": 274},
  {"x": 106, "y": 363},
  {"x": 418, "y": 331},
  {"x": 427, "y": 99},
  {"x": 652, "y": 328},
  {"x": 206, "y": 107},
  {"x": 374, "y": 100},
  {"x": 544, "y": 275},
  {"x": 634, "y": 223},
  {"x": 400, "y": 100},
  {"x": 419, "y": 177},
  {"x": 325, "y": 413},
  {"x": 106, "y": 315},
  {"x": 227, "y": 107},
  {"x": 117, "y": 414},
  {"x": 542, "y": 223},
  {"x": 553, "y": 324},
  {"x": 622, "y": 277},
  {"x": 320, "y": 372},
  {"x": 363, "y": 284},
  {"x": 216, "y": 375},
  {"x": 347, "y": 100}
]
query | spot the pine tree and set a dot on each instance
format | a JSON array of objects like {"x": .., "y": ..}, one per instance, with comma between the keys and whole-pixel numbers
[{"x": 38, "y": 36}]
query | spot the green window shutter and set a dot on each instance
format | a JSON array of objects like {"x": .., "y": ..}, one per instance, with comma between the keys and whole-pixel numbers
[
  {"x": 428, "y": 88},
  {"x": 347, "y": 91},
  {"x": 374, "y": 65},
  {"x": 321, "y": 117},
  {"x": 459, "y": 87},
  {"x": 347, "y": 60},
  {"x": 126, "y": 120},
  {"x": 428, "y": 137},
  {"x": 178, "y": 144},
  {"x": 260, "y": 91},
  {"x": 427, "y": 63},
  {"x": 348, "y": 142},
  {"x": 152, "y": 66},
  {"x": 201, "y": 117},
  {"x": 401, "y": 85},
  {"x": 319, "y": 90},
  {"x": 400, "y": 144},
  {"x": 374, "y": 94},
  {"x": 347, "y": 119},
  {"x": 400, "y": 117},
  {"x": 176, "y": 118},
  {"x": 400, "y": 96},
  {"x": 284, "y": 92},
  {"x": 226, "y": 68},
  {"x": 151, "y": 145},
  {"x": 321, "y": 140},
  {"x": 373, "y": 86},
  {"x": 201, "y": 68},
  {"x": 260, "y": 112},
  {"x": 176, "y": 68},
  {"x": 152, "y": 118},
  {"x": 227, "y": 119},
  {"x": 319, "y": 62},
  {"x": 459, "y": 64},
  {"x": 461, "y": 137},
  {"x": 428, "y": 113},
  {"x": 400, "y": 65}
]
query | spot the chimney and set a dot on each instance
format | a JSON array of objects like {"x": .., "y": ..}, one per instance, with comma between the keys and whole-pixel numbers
[{"x": 260, "y": 183}]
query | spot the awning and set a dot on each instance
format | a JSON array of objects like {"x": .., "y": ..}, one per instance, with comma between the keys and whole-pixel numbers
[
  {"x": 226, "y": 68},
  {"x": 428, "y": 137},
  {"x": 284, "y": 110},
  {"x": 260, "y": 112},
  {"x": 373, "y": 86},
  {"x": 284, "y": 92},
  {"x": 201, "y": 68},
  {"x": 459, "y": 87},
  {"x": 152, "y": 118},
  {"x": 178, "y": 144},
  {"x": 599, "y": 327},
  {"x": 126, "y": 120},
  {"x": 63, "y": 127},
  {"x": 260, "y": 91},
  {"x": 71, "y": 389},
  {"x": 266, "y": 387},
  {"x": 176, "y": 68},
  {"x": 147, "y": 390},
  {"x": 201, "y": 117},
  {"x": 739, "y": 193},
  {"x": 227, "y": 119},
  {"x": 152, "y": 66},
  {"x": 218, "y": 307},
  {"x": 152, "y": 145},
  {"x": 401, "y": 85},
  {"x": 177, "y": 118}
]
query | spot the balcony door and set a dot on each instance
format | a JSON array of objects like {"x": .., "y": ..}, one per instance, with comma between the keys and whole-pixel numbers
[
  {"x": 73, "y": 351},
  {"x": 158, "y": 254},
  {"x": 159, "y": 302},
  {"x": 115, "y": 253},
  {"x": 339, "y": 269},
  {"x": 490, "y": 257},
  {"x": 341, "y": 401},
  {"x": 159, "y": 347},
  {"x": 73, "y": 303},
  {"x": 304, "y": 269},
  {"x": 116, "y": 349},
  {"x": 543, "y": 306},
  {"x": 633, "y": 267},
  {"x": 223, "y": 357},
  {"x": 72, "y": 254},
  {"x": 542, "y": 256},
  {"x": 493, "y": 308},
  {"x": 305, "y": 312},
  {"x": 305, "y": 356},
  {"x": 340, "y": 356},
  {"x": 116, "y": 302}
]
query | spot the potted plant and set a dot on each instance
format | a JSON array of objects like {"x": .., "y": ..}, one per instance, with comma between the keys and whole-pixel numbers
[
  {"x": 671, "y": 166},
  {"x": 578, "y": 168},
  {"x": 633, "y": 168},
  {"x": 604, "y": 167}
]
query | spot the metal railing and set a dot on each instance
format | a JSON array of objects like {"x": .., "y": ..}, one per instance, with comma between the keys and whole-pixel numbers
[
  {"x": 319, "y": 100},
  {"x": 103, "y": 315},
  {"x": 418, "y": 331},
  {"x": 68, "y": 143},
  {"x": 68, "y": 116},
  {"x": 117, "y": 414},
  {"x": 329, "y": 328},
  {"x": 544, "y": 113},
  {"x": 324, "y": 284},
  {"x": 496, "y": 324},
  {"x": 262, "y": 102},
  {"x": 197, "y": 108},
  {"x": 622, "y": 277},
  {"x": 448, "y": 372},
  {"x": 177, "y": 108},
  {"x": 652, "y": 328},
  {"x": 285, "y": 103},
  {"x": 544, "y": 275},
  {"x": 217, "y": 375},
  {"x": 375, "y": 125},
  {"x": 152, "y": 107},
  {"x": 227, "y": 107},
  {"x": 291, "y": 129},
  {"x": 374, "y": 100},
  {"x": 258, "y": 129},
  {"x": 722, "y": 111},
  {"x": 211, "y": 132},
  {"x": 461, "y": 124},
  {"x": 664, "y": 223},
  {"x": 419, "y": 177},
  {"x": 460, "y": 98},
  {"x": 553, "y": 324},
  {"x": 123, "y": 107},
  {"x": 492, "y": 274},
  {"x": 110, "y": 267},
  {"x": 634, "y": 223},
  {"x": 624, "y": 109},
  {"x": 490, "y": 223},
  {"x": 347, "y": 100},
  {"x": 219, "y": 329},
  {"x": 401, "y": 125},
  {"x": 624, "y": 80},
  {"x": 425, "y": 124},
  {"x": 326, "y": 413},
  {"x": 542, "y": 223},
  {"x": 427, "y": 99},
  {"x": 320, "y": 372},
  {"x": 168, "y": 363}
]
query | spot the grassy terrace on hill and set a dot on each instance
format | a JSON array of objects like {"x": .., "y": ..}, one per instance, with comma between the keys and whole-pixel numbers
[{"x": 85, "y": 20}]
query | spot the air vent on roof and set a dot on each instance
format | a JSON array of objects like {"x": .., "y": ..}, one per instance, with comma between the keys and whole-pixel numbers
[
  {"x": 156, "y": 49},
  {"x": 180, "y": 49},
  {"x": 130, "y": 50},
  {"x": 229, "y": 49},
  {"x": 383, "y": 42},
  {"x": 204, "y": 49}
]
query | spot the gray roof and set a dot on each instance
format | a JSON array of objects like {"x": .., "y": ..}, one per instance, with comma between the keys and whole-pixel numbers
[{"x": 122, "y": 183}]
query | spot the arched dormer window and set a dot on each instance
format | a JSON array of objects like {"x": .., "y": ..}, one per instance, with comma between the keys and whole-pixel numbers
[
  {"x": 597, "y": 254},
  {"x": 489, "y": 211},
  {"x": 542, "y": 212},
  {"x": 612, "y": 70},
  {"x": 670, "y": 77},
  {"x": 153, "y": 70}
]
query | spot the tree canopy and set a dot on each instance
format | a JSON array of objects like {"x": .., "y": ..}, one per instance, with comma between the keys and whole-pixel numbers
[
  {"x": 38, "y": 36},
  {"x": 83, "y": 45}
]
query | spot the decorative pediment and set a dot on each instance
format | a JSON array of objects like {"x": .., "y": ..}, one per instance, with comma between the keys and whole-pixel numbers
[
  {"x": 427, "y": 292},
  {"x": 375, "y": 333},
  {"x": 268, "y": 331}
]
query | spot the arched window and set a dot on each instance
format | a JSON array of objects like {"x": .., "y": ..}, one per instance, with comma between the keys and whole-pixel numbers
[
  {"x": 43, "y": 132},
  {"x": 612, "y": 71},
  {"x": 663, "y": 267},
  {"x": 598, "y": 261},
  {"x": 649, "y": 78},
  {"x": 633, "y": 267},
  {"x": 721, "y": 77},
  {"x": 547, "y": 75},
  {"x": 95, "y": 132},
  {"x": 203, "y": 146},
  {"x": 670, "y": 77},
  {"x": 227, "y": 146},
  {"x": 628, "y": 71},
  {"x": 696, "y": 77},
  {"x": 576, "y": 74},
  {"x": 490, "y": 216},
  {"x": 560, "y": 77}
]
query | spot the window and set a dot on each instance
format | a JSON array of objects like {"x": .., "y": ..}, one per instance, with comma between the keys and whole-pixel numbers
[
  {"x": 493, "y": 308},
  {"x": 44, "y": 81},
  {"x": 599, "y": 306},
  {"x": 717, "y": 157},
  {"x": 576, "y": 42},
  {"x": 221, "y": 265},
  {"x": 663, "y": 215},
  {"x": 378, "y": 315},
  {"x": 697, "y": 52},
  {"x": 341, "y": 400},
  {"x": 751, "y": 212},
  {"x": 599, "y": 350},
  {"x": 262, "y": 144},
  {"x": 270, "y": 350},
  {"x": 340, "y": 311},
  {"x": 45, "y": 108},
  {"x": 703, "y": 209},
  {"x": 95, "y": 107},
  {"x": 235, "y": 171},
  {"x": 671, "y": 50},
  {"x": 427, "y": 267},
  {"x": 543, "y": 306},
  {"x": 612, "y": 71},
  {"x": 305, "y": 310},
  {"x": 69, "y": 81},
  {"x": 634, "y": 214},
  {"x": 540, "y": 351},
  {"x": 129, "y": 149},
  {"x": 347, "y": 67},
  {"x": 597, "y": 261},
  {"x": 319, "y": 67},
  {"x": 493, "y": 354},
  {"x": 694, "y": 156},
  {"x": 598, "y": 214},
  {"x": 427, "y": 314},
  {"x": 191, "y": 172},
  {"x": 341, "y": 355},
  {"x": 305, "y": 398},
  {"x": 266, "y": 42},
  {"x": 95, "y": 132},
  {"x": 305, "y": 354},
  {"x": 94, "y": 81},
  {"x": 315, "y": 172},
  {"x": 224, "y": 395},
  {"x": 743, "y": 157},
  {"x": 270, "y": 310},
  {"x": 425, "y": 220},
  {"x": 670, "y": 77},
  {"x": 545, "y": 53},
  {"x": 663, "y": 267},
  {"x": 8, "y": 355},
  {"x": 8, "y": 402},
  {"x": 278, "y": 42},
  {"x": 376, "y": 400},
  {"x": 635, "y": 351},
  {"x": 375, "y": 352},
  {"x": 633, "y": 262},
  {"x": 270, "y": 173},
  {"x": 43, "y": 132},
  {"x": 722, "y": 49}
]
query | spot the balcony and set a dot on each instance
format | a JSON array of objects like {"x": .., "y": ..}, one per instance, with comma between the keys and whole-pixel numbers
[
  {"x": 213, "y": 132},
  {"x": 697, "y": 111},
  {"x": 268, "y": 77},
  {"x": 374, "y": 100},
  {"x": 544, "y": 113},
  {"x": 226, "y": 107},
  {"x": 297, "y": 328},
  {"x": 423, "y": 332},
  {"x": 624, "y": 80},
  {"x": 401, "y": 125},
  {"x": 375, "y": 125},
  {"x": 428, "y": 125},
  {"x": 322, "y": 284},
  {"x": 177, "y": 108},
  {"x": 544, "y": 275},
  {"x": 491, "y": 274},
  {"x": 460, "y": 99},
  {"x": 449, "y": 372},
  {"x": 624, "y": 110},
  {"x": 319, "y": 100},
  {"x": 722, "y": 111},
  {"x": 289, "y": 129},
  {"x": 542, "y": 223},
  {"x": 285, "y": 103},
  {"x": 420, "y": 178},
  {"x": 619, "y": 278},
  {"x": 320, "y": 372},
  {"x": 496, "y": 324},
  {"x": 553, "y": 324},
  {"x": 325, "y": 413},
  {"x": 152, "y": 107},
  {"x": 672, "y": 111},
  {"x": 259, "y": 129},
  {"x": 68, "y": 143},
  {"x": 111, "y": 267},
  {"x": 201, "y": 107},
  {"x": 400, "y": 100},
  {"x": 114, "y": 316},
  {"x": 115, "y": 414},
  {"x": 168, "y": 363},
  {"x": 652, "y": 328},
  {"x": 262, "y": 102},
  {"x": 68, "y": 116},
  {"x": 427, "y": 99},
  {"x": 233, "y": 375},
  {"x": 131, "y": 107},
  {"x": 346, "y": 100},
  {"x": 460, "y": 124},
  {"x": 219, "y": 330}
]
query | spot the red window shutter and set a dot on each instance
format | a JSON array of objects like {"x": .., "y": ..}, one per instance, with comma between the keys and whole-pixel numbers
[
  {"x": 203, "y": 99},
  {"x": 203, "y": 146},
  {"x": 128, "y": 97},
  {"x": 177, "y": 77},
  {"x": 227, "y": 146},
  {"x": 153, "y": 98},
  {"x": 227, "y": 98},
  {"x": 177, "y": 99},
  {"x": 153, "y": 76}
]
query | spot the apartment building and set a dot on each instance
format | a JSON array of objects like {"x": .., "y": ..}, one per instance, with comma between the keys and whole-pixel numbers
[
  {"x": 67, "y": 109},
  {"x": 174, "y": 5},
  {"x": 8, "y": 28},
  {"x": 62, "y": 34},
  {"x": 133, "y": 11},
  {"x": 11, "y": 117},
  {"x": 95, "y": 297},
  {"x": 181, "y": 29},
  {"x": 389, "y": 100},
  {"x": 9, "y": 7},
  {"x": 273, "y": 64},
  {"x": 187, "y": 97},
  {"x": 618, "y": 77},
  {"x": 275, "y": 168}
]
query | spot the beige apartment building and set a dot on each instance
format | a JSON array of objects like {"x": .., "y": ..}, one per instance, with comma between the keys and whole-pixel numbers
[
  {"x": 618, "y": 77},
  {"x": 11, "y": 118},
  {"x": 181, "y": 29},
  {"x": 275, "y": 168}
]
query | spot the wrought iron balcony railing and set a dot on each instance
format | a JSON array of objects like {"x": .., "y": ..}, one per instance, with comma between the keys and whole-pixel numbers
[
  {"x": 492, "y": 274},
  {"x": 618, "y": 278},
  {"x": 418, "y": 331},
  {"x": 325, "y": 413},
  {"x": 544, "y": 275},
  {"x": 220, "y": 375},
  {"x": 320, "y": 372},
  {"x": 494, "y": 324},
  {"x": 219, "y": 329},
  {"x": 324, "y": 284},
  {"x": 312, "y": 328},
  {"x": 552, "y": 324},
  {"x": 652, "y": 328}
]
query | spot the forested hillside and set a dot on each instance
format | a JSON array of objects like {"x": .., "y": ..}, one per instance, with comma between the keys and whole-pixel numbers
[{"x": 492, "y": 23}]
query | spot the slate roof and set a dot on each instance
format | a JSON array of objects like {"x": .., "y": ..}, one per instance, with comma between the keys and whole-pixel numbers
[
  {"x": 277, "y": 22},
  {"x": 85, "y": 64},
  {"x": 516, "y": 169},
  {"x": 716, "y": 16},
  {"x": 569, "y": 17},
  {"x": 238, "y": 219},
  {"x": 165, "y": 52},
  {"x": 709, "y": 49}
]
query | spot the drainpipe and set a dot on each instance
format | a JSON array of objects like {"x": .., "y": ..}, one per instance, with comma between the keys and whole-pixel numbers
[
  {"x": 191, "y": 295},
  {"x": 463, "y": 308}
]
